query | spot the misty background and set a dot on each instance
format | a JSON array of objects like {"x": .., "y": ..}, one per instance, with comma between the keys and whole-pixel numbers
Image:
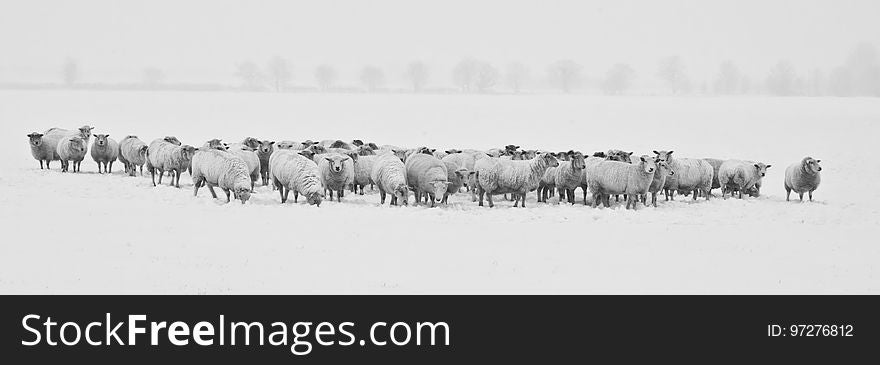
[{"x": 811, "y": 48}]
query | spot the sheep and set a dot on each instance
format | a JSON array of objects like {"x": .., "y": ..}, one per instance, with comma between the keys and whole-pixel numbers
[
  {"x": 133, "y": 153},
  {"x": 250, "y": 157},
  {"x": 251, "y": 142},
  {"x": 336, "y": 172},
  {"x": 165, "y": 156},
  {"x": 105, "y": 151},
  {"x": 427, "y": 177},
  {"x": 439, "y": 154},
  {"x": 264, "y": 152},
  {"x": 803, "y": 177},
  {"x": 663, "y": 171},
  {"x": 716, "y": 165},
  {"x": 457, "y": 177},
  {"x": 230, "y": 173},
  {"x": 616, "y": 177},
  {"x": 173, "y": 140},
  {"x": 365, "y": 151},
  {"x": 547, "y": 185},
  {"x": 289, "y": 170},
  {"x": 691, "y": 174},
  {"x": 419, "y": 150},
  {"x": 570, "y": 176},
  {"x": 363, "y": 169},
  {"x": 56, "y": 135},
  {"x": 71, "y": 149},
  {"x": 389, "y": 174},
  {"x": 497, "y": 176},
  {"x": 41, "y": 150},
  {"x": 288, "y": 145},
  {"x": 738, "y": 176},
  {"x": 216, "y": 144}
]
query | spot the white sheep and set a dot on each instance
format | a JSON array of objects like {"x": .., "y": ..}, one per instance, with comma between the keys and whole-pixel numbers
[
  {"x": 517, "y": 177},
  {"x": 570, "y": 176},
  {"x": 71, "y": 149},
  {"x": 289, "y": 145},
  {"x": 691, "y": 175},
  {"x": 457, "y": 177},
  {"x": 164, "y": 156},
  {"x": 363, "y": 168},
  {"x": 738, "y": 176},
  {"x": 716, "y": 165},
  {"x": 56, "y": 135},
  {"x": 663, "y": 172},
  {"x": 222, "y": 169},
  {"x": 389, "y": 175},
  {"x": 465, "y": 160},
  {"x": 803, "y": 177},
  {"x": 133, "y": 153},
  {"x": 336, "y": 171},
  {"x": 41, "y": 150},
  {"x": 105, "y": 151},
  {"x": 615, "y": 177},
  {"x": 427, "y": 177},
  {"x": 250, "y": 157},
  {"x": 290, "y": 171}
]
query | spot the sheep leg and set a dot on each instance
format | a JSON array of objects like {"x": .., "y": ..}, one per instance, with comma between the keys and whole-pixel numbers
[
  {"x": 445, "y": 197},
  {"x": 489, "y": 198},
  {"x": 606, "y": 199},
  {"x": 481, "y": 193},
  {"x": 382, "y": 197},
  {"x": 801, "y": 195},
  {"x": 523, "y": 197},
  {"x": 811, "y": 195},
  {"x": 153, "y": 176},
  {"x": 788, "y": 194},
  {"x": 171, "y": 173},
  {"x": 110, "y": 169},
  {"x": 196, "y": 186},
  {"x": 515, "y": 197},
  {"x": 285, "y": 194},
  {"x": 570, "y": 193},
  {"x": 331, "y": 195},
  {"x": 211, "y": 189},
  {"x": 296, "y": 196},
  {"x": 161, "y": 174},
  {"x": 696, "y": 193},
  {"x": 226, "y": 191}
]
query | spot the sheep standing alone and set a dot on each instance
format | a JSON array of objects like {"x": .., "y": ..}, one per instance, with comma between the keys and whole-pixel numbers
[
  {"x": 222, "y": 169},
  {"x": 615, "y": 177},
  {"x": 105, "y": 151},
  {"x": 164, "y": 156},
  {"x": 250, "y": 157},
  {"x": 363, "y": 168},
  {"x": 389, "y": 175},
  {"x": 264, "y": 152},
  {"x": 290, "y": 171},
  {"x": 517, "y": 177},
  {"x": 738, "y": 176},
  {"x": 41, "y": 150},
  {"x": 457, "y": 177},
  {"x": 133, "y": 153},
  {"x": 570, "y": 176},
  {"x": 803, "y": 177},
  {"x": 691, "y": 175},
  {"x": 663, "y": 171},
  {"x": 427, "y": 177},
  {"x": 71, "y": 149},
  {"x": 337, "y": 172}
]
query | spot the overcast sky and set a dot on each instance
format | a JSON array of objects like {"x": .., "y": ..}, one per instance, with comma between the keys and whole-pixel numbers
[{"x": 202, "y": 40}]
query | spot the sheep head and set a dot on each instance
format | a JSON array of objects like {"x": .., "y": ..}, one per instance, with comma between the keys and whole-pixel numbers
[
  {"x": 648, "y": 164},
  {"x": 86, "y": 131},
  {"x": 761, "y": 168},
  {"x": 251, "y": 142},
  {"x": 242, "y": 193},
  {"x": 266, "y": 147},
  {"x": 663, "y": 167},
  {"x": 664, "y": 156},
  {"x": 438, "y": 188},
  {"x": 402, "y": 194},
  {"x": 173, "y": 140},
  {"x": 577, "y": 160},
  {"x": 357, "y": 143},
  {"x": 36, "y": 139},
  {"x": 548, "y": 158},
  {"x": 101, "y": 140},
  {"x": 811, "y": 165},
  {"x": 337, "y": 162},
  {"x": 315, "y": 198}
]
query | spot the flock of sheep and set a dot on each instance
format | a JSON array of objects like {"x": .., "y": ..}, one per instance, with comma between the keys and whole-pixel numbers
[{"x": 318, "y": 170}]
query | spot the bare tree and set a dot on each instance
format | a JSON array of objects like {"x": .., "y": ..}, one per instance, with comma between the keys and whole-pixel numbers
[
  {"x": 250, "y": 75},
  {"x": 517, "y": 75},
  {"x": 729, "y": 79},
  {"x": 618, "y": 79},
  {"x": 564, "y": 74},
  {"x": 863, "y": 69},
  {"x": 279, "y": 73},
  {"x": 781, "y": 80},
  {"x": 486, "y": 77},
  {"x": 70, "y": 72},
  {"x": 417, "y": 74},
  {"x": 326, "y": 76},
  {"x": 672, "y": 72},
  {"x": 153, "y": 77},
  {"x": 372, "y": 77},
  {"x": 465, "y": 73}
]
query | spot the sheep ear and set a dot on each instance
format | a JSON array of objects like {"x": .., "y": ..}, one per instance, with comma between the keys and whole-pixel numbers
[
  {"x": 328, "y": 159},
  {"x": 757, "y": 166},
  {"x": 643, "y": 159},
  {"x": 107, "y": 135},
  {"x": 272, "y": 143},
  {"x": 818, "y": 161},
  {"x": 767, "y": 167}
]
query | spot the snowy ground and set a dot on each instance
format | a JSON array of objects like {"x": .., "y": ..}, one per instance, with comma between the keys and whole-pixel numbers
[{"x": 89, "y": 233}]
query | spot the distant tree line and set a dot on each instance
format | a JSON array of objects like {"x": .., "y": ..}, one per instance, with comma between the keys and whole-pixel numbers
[{"x": 859, "y": 75}]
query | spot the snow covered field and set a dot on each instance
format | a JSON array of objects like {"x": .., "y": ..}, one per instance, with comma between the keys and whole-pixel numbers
[{"x": 89, "y": 233}]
